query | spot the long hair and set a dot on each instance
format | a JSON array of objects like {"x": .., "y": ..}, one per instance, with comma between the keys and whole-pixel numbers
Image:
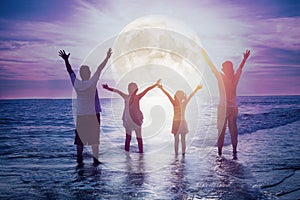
[{"x": 180, "y": 96}]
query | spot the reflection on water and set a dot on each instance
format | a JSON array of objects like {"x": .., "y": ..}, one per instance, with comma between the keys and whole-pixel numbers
[
  {"x": 38, "y": 159},
  {"x": 85, "y": 172},
  {"x": 231, "y": 183},
  {"x": 134, "y": 176},
  {"x": 177, "y": 178}
]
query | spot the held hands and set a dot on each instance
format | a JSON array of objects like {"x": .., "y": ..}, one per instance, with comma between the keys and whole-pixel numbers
[
  {"x": 246, "y": 54},
  {"x": 63, "y": 54},
  {"x": 158, "y": 83},
  {"x": 160, "y": 86}
]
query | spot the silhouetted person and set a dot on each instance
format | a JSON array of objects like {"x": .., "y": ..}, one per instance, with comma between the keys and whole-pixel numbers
[
  {"x": 228, "y": 108},
  {"x": 132, "y": 114},
  {"x": 87, "y": 106},
  {"x": 179, "y": 126}
]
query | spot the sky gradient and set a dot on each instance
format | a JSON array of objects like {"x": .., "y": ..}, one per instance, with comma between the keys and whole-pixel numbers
[{"x": 33, "y": 31}]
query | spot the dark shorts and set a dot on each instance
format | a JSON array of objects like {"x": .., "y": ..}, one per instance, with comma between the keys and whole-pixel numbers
[{"x": 87, "y": 138}]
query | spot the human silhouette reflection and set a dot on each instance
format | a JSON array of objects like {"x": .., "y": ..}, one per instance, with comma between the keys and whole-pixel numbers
[
  {"x": 177, "y": 178},
  {"x": 135, "y": 171},
  {"x": 85, "y": 172},
  {"x": 230, "y": 183}
]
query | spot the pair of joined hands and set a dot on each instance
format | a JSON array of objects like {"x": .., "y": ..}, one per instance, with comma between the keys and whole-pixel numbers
[{"x": 158, "y": 84}]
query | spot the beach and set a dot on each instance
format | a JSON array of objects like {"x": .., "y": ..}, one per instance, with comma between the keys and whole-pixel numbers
[{"x": 38, "y": 157}]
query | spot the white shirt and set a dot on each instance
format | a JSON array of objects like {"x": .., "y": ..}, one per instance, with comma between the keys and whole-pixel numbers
[{"x": 86, "y": 90}]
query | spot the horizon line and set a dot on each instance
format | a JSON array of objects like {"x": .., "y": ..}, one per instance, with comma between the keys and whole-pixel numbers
[{"x": 66, "y": 98}]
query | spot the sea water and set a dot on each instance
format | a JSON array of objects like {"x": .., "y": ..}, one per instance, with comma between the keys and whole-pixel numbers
[{"x": 38, "y": 157}]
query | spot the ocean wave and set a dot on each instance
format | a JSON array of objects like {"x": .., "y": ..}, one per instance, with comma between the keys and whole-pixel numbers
[{"x": 249, "y": 123}]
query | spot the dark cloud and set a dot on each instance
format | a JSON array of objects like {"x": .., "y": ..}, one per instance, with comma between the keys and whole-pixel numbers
[
  {"x": 265, "y": 9},
  {"x": 36, "y": 10}
]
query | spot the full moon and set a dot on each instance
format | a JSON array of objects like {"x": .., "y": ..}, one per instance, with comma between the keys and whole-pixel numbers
[{"x": 160, "y": 41}]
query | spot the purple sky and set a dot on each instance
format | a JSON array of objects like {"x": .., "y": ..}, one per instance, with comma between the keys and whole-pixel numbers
[{"x": 33, "y": 31}]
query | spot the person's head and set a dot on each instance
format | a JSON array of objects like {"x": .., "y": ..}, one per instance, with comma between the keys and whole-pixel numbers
[
  {"x": 85, "y": 72},
  {"x": 132, "y": 87},
  {"x": 179, "y": 96},
  {"x": 227, "y": 68}
]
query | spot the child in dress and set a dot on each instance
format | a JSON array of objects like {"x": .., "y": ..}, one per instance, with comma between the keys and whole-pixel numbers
[
  {"x": 179, "y": 126},
  {"x": 132, "y": 115}
]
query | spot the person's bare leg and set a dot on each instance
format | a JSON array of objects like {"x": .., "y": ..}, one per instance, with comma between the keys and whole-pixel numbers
[
  {"x": 221, "y": 135},
  {"x": 127, "y": 140},
  {"x": 139, "y": 139},
  {"x": 221, "y": 123},
  {"x": 183, "y": 143},
  {"x": 79, "y": 149},
  {"x": 233, "y": 132},
  {"x": 95, "y": 150},
  {"x": 176, "y": 143}
]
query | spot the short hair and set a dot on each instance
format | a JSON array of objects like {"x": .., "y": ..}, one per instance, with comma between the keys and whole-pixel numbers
[{"x": 83, "y": 71}]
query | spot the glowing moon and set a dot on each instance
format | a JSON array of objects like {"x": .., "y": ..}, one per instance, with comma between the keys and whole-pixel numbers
[{"x": 158, "y": 40}]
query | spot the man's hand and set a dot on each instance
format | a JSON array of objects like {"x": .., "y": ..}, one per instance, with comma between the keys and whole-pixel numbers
[
  {"x": 63, "y": 54},
  {"x": 246, "y": 54}
]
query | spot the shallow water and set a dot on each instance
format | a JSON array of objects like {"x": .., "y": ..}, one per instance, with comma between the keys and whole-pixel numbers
[{"x": 38, "y": 158}]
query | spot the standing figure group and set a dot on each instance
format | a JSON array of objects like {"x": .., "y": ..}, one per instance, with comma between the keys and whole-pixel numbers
[{"x": 88, "y": 107}]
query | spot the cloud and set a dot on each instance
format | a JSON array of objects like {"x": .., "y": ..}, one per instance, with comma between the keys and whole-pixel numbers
[
  {"x": 276, "y": 33},
  {"x": 32, "y": 34}
]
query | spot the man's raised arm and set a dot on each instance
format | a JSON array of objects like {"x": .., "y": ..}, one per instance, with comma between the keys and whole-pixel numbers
[
  {"x": 102, "y": 65},
  {"x": 65, "y": 57}
]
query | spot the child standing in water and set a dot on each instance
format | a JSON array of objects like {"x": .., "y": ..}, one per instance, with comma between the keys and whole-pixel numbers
[
  {"x": 132, "y": 115},
  {"x": 179, "y": 126}
]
